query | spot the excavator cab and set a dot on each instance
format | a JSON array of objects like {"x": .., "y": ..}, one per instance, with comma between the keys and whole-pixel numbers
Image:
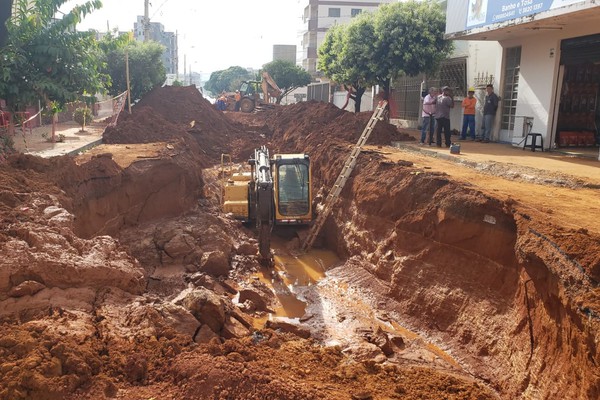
[{"x": 293, "y": 203}]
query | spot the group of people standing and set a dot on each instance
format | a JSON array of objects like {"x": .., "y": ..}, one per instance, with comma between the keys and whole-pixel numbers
[
  {"x": 222, "y": 101},
  {"x": 436, "y": 116}
]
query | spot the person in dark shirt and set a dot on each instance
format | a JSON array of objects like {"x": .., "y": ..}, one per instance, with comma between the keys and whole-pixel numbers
[
  {"x": 490, "y": 106},
  {"x": 442, "y": 117}
]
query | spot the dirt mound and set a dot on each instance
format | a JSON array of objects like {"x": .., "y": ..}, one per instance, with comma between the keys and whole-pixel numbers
[
  {"x": 144, "y": 125},
  {"x": 181, "y": 113},
  {"x": 319, "y": 120}
]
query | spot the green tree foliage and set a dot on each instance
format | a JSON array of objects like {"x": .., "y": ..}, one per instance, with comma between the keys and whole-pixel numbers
[
  {"x": 83, "y": 116},
  {"x": 404, "y": 38},
  {"x": 47, "y": 59},
  {"x": 409, "y": 40},
  {"x": 146, "y": 69},
  {"x": 287, "y": 75},
  {"x": 227, "y": 80},
  {"x": 347, "y": 57}
]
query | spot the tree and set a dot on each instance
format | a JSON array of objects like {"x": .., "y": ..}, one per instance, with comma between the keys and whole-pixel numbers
[
  {"x": 350, "y": 50},
  {"x": 227, "y": 80},
  {"x": 287, "y": 75},
  {"x": 146, "y": 69},
  {"x": 404, "y": 38},
  {"x": 47, "y": 59},
  {"x": 409, "y": 40}
]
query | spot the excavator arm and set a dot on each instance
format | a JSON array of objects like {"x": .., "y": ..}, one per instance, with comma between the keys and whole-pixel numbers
[
  {"x": 262, "y": 188},
  {"x": 269, "y": 87}
]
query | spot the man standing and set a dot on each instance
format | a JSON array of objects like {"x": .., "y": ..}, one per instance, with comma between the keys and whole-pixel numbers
[
  {"x": 238, "y": 100},
  {"x": 428, "y": 112},
  {"x": 468, "y": 106},
  {"x": 442, "y": 117},
  {"x": 489, "y": 112}
]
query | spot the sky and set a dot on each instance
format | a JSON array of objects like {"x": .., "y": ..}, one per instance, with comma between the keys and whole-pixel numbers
[{"x": 213, "y": 34}]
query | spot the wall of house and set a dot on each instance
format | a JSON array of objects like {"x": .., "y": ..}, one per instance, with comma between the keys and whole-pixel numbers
[{"x": 539, "y": 88}]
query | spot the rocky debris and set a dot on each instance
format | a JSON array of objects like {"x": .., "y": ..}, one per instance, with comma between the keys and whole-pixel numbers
[
  {"x": 215, "y": 263},
  {"x": 289, "y": 327},
  {"x": 205, "y": 306},
  {"x": 254, "y": 299}
]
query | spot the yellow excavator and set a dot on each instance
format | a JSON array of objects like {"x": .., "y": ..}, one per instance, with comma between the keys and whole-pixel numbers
[
  {"x": 255, "y": 99},
  {"x": 276, "y": 191}
]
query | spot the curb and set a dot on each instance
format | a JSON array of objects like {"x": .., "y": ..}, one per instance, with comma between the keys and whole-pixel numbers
[{"x": 86, "y": 147}]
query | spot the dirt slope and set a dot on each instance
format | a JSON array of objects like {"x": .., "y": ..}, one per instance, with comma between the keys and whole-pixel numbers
[{"x": 120, "y": 278}]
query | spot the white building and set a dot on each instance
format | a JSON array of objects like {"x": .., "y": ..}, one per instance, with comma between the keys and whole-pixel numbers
[
  {"x": 319, "y": 15},
  {"x": 549, "y": 68},
  {"x": 158, "y": 34}
]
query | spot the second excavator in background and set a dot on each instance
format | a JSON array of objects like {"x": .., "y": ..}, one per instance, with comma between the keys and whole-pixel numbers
[{"x": 256, "y": 95}]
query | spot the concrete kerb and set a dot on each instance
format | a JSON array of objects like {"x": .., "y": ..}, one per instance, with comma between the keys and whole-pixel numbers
[
  {"x": 85, "y": 147},
  {"x": 488, "y": 166}
]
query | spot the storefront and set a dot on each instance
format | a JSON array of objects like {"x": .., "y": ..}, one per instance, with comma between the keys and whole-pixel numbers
[
  {"x": 578, "y": 119},
  {"x": 549, "y": 69}
]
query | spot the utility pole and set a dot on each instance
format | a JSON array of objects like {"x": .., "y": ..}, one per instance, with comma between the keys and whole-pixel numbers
[{"x": 146, "y": 20}]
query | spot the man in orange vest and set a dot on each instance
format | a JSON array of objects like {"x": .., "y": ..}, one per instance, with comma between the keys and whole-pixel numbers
[
  {"x": 238, "y": 99},
  {"x": 468, "y": 106}
]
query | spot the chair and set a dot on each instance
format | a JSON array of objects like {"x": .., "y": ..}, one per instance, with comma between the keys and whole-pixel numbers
[{"x": 533, "y": 142}]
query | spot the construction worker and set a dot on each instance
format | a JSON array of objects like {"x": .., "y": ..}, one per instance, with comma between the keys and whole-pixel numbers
[
  {"x": 468, "y": 106},
  {"x": 238, "y": 100}
]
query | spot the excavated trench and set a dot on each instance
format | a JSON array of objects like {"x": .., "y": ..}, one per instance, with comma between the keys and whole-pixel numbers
[{"x": 122, "y": 278}]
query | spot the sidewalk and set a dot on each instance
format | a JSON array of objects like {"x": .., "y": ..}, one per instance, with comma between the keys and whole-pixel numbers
[
  {"x": 38, "y": 141},
  {"x": 583, "y": 164}
]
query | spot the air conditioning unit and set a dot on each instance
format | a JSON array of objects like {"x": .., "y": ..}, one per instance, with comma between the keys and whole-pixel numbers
[{"x": 522, "y": 127}]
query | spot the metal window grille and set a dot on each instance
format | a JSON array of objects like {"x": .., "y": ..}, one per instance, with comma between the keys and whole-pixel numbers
[
  {"x": 453, "y": 73},
  {"x": 318, "y": 92},
  {"x": 511, "y": 87},
  {"x": 407, "y": 97}
]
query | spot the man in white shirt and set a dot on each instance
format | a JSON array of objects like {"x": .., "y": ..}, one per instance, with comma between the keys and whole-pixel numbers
[{"x": 428, "y": 124}]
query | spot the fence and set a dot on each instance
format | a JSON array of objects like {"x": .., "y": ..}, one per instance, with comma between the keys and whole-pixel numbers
[{"x": 19, "y": 130}]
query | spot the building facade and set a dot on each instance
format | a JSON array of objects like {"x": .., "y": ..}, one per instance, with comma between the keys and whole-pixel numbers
[
  {"x": 319, "y": 15},
  {"x": 548, "y": 68},
  {"x": 168, "y": 39},
  {"x": 284, "y": 52}
]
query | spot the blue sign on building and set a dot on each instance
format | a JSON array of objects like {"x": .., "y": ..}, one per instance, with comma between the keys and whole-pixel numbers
[{"x": 487, "y": 12}]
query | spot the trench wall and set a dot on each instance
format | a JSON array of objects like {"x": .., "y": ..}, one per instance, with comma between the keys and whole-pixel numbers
[{"x": 472, "y": 271}]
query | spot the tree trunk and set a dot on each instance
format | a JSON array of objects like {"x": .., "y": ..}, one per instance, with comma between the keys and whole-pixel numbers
[
  {"x": 358, "y": 98},
  {"x": 385, "y": 95}
]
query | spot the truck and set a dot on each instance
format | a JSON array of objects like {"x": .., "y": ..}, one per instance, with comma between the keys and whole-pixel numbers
[
  {"x": 276, "y": 191},
  {"x": 256, "y": 95}
]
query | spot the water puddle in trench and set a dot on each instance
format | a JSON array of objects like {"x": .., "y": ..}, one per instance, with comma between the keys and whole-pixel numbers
[{"x": 291, "y": 272}]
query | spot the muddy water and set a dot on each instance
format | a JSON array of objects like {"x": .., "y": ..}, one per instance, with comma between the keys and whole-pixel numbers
[{"x": 292, "y": 271}]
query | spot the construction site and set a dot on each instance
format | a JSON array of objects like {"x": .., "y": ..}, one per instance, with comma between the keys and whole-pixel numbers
[{"x": 433, "y": 276}]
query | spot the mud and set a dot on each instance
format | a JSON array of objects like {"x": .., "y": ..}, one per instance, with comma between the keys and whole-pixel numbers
[{"x": 120, "y": 278}]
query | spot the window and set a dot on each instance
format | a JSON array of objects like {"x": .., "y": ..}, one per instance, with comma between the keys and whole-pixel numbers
[
  {"x": 355, "y": 11},
  {"x": 334, "y": 12},
  {"x": 293, "y": 187},
  {"x": 511, "y": 87}
]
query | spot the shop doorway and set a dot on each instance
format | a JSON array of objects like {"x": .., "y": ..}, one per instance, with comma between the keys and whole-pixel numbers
[{"x": 578, "y": 123}]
